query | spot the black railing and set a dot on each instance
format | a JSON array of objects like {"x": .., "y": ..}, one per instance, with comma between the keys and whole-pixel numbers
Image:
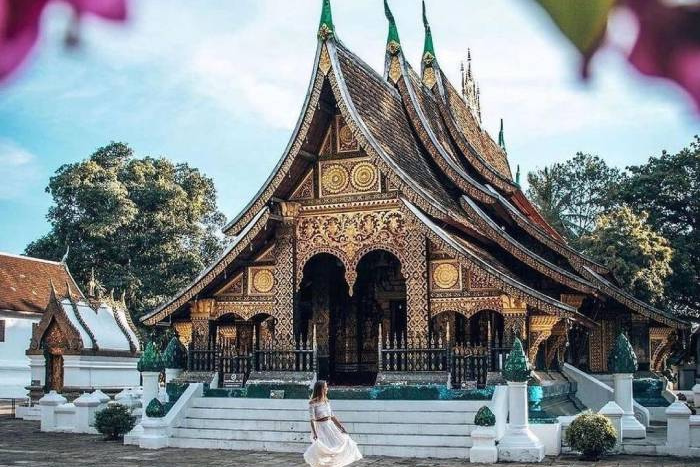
[
  {"x": 413, "y": 354},
  {"x": 301, "y": 358},
  {"x": 469, "y": 364},
  {"x": 235, "y": 366},
  {"x": 202, "y": 359}
]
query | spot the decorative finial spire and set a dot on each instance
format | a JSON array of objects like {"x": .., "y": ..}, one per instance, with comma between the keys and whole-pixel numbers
[
  {"x": 326, "y": 29},
  {"x": 393, "y": 43},
  {"x": 469, "y": 62},
  {"x": 69, "y": 293},
  {"x": 517, "y": 175},
  {"x": 92, "y": 284},
  {"x": 428, "y": 48},
  {"x": 65, "y": 255},
  {"x": 502, "y": 138},
  {"x": 53, "y": 288}
]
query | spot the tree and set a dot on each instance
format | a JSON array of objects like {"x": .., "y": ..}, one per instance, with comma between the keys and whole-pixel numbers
[
  {"x": 571, "y": 195},
  {"x": 638, "y": 257},
  {"x": 668, "y": 188},
  {"x": 147, "y": 226}
]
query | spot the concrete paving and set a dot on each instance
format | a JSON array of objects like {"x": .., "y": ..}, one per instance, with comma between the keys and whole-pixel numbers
[{"x": 22, "y": 444}]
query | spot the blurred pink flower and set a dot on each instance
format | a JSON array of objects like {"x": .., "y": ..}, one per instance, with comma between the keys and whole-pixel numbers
[
  {"x": 668, "y": 44},
  {"x": 20, "y": 23}
]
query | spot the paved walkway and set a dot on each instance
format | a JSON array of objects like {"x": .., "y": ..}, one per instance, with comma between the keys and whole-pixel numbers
[{"x": 22, "y": 444}]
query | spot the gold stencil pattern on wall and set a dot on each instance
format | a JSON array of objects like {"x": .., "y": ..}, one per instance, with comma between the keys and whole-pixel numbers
[
  {"x": 335, "y": 178},
  {"x": 364, "y": 176},
  {"x": 445, "y": 276}
]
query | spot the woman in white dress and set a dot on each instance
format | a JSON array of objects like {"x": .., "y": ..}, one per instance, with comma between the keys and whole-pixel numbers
[{"x": 331, "y": 446}]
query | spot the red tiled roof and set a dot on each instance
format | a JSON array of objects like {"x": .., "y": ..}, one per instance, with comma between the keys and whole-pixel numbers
[{"x": 25, "y": 282}]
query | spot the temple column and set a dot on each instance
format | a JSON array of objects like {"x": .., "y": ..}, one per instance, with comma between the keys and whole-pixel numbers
[
  {"x": 283, "y": 309},
  {"x": 415, "y": 270},
  {"x": 540, "y": 330},
  {"x": 514, "y": 316},
  {"x": 201, "y": 312}
]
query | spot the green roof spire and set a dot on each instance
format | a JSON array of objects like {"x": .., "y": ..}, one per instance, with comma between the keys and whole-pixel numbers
[
  {"x": 325, "y": 27},
  {"x": 428, "y": 49},
  {"x": 501, "y": 138},
  {"x": 622, "y": 358},
  {"x": 393, "y": 43},
  {"x": 516, "y": 367},
  {"x": 517, "y": 175}
]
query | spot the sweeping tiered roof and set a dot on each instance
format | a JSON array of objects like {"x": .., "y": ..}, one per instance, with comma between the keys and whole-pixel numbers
[{"x": 450, "y": 174}]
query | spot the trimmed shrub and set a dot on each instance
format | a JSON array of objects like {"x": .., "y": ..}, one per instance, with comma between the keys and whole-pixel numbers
[
  {"x": 155, "y": 409},
  {"x": 114, "y": 421},
  {"x": 484, "y": 417},
  {"x": 591, "y": 434}
]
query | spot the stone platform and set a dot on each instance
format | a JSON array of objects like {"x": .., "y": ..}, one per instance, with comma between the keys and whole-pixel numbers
[{"x": 22, "y": 444}]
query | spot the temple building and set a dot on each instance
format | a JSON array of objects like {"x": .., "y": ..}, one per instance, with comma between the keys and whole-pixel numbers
[
  {"x": 391, "y": 230},
  {"x": 82, "y": 343},
  {"x": 24, "y": 295}
]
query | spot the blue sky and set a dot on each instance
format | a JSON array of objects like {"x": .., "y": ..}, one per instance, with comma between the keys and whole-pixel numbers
[{"x": 219, "y": 83}]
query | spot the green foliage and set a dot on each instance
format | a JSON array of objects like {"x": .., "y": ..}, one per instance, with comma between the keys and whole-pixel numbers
[
  {"x": 664, "y": 196},
  {"x": 114, "y": 421},
  {"x": 591, "y": 434},
  {"x": 150, "y": 359},
  {"x": 155, "y": 409},
  {"x": 638, "y": 257},
  {"x": 571, "y": 195},
  {"x": 668, "y": 189},
  {"x": 516, "y": 367},
  {"x": 147, "y": 226},
  {"x": 622, "y": 358},
  {"x": 175, "y": 355},
  {"x": 484, "y": 417}
]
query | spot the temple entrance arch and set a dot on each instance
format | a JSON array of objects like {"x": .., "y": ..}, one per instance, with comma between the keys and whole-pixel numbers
[{"x": 347, "y": 326}]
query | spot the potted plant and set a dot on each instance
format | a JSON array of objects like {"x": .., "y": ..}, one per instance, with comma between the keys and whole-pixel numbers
[{"x": 591, "y": 434}]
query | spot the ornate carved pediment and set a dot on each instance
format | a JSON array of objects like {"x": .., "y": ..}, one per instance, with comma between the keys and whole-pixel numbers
[
  {"x": 305, "y": 190},
  {"x": 244, "y": 309},
  {"x": 350, "y": 235},
  {"x": 234, "y": 287},
  {"x": 513, "y": 305},
  {"x": 55, "y": 330},
  {"x": 466, "y": 306}
]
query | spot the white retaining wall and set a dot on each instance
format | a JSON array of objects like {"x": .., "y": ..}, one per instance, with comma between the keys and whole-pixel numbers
[{"x": 594, "y": 393}]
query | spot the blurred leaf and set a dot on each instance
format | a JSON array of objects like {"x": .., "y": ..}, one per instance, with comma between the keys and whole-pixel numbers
[{"x": 583, "y": 22}]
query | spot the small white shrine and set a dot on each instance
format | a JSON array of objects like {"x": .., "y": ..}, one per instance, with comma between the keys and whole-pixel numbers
[{"x": 82, "y": 345}]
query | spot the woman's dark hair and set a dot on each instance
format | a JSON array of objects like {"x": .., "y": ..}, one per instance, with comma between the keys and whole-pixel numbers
[{"x": 317, "y": 394}]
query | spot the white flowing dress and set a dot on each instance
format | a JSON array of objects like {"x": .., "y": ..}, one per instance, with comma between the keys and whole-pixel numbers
[{"x": 332, "y": 448}]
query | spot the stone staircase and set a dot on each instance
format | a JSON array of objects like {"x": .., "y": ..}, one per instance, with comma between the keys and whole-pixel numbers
[{"x": 438, "y": 429}]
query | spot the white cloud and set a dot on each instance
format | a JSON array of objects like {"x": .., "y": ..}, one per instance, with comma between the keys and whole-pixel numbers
[{"x": 21, "y": 171}]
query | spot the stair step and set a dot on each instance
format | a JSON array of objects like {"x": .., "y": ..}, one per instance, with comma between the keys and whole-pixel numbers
[
  {"x": 353, "y": 427},
  {"x": 299, "y": 447},
  {"x": 283, "y": 437},
  {"x": 339, "y": 405},
  {"x": 462, "y": 418}
]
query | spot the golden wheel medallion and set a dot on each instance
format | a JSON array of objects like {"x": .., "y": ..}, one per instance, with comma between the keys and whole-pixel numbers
[
  {"x": 263, "y": 281},
  {"x": 346, "y": 137},
  {"x": 363, "y": 177},
  {"x": 445, "y": 276},
  {"x": 335, "y": 179}
]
